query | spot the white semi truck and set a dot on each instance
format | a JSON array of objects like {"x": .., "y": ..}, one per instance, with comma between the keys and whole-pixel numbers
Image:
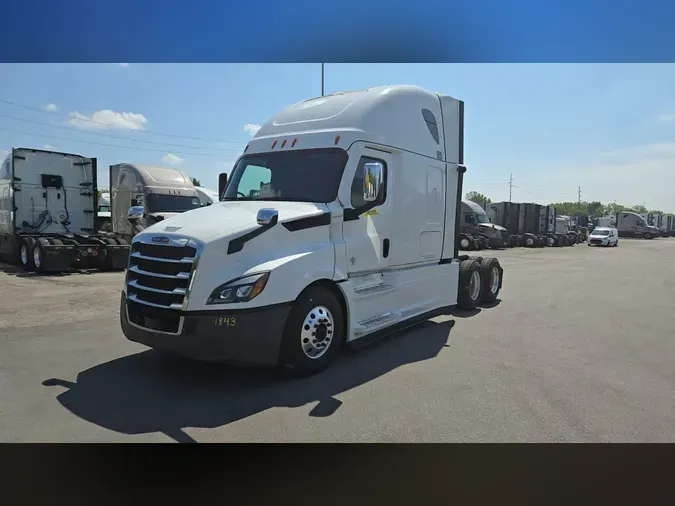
[
  {"x": 338, "y": 224},
  {"x": 48, "y": 207},
  {"x": 155, "y": 193}
]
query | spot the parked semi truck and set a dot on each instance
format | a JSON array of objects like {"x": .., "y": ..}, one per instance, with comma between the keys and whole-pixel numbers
[
  {"x": 476, "y": 230},
  {"x": 629, "y": 224},
  {"x": 142, "y": 195},
  {"x": 338, "y": 224},
  {"x": 48, "y": 208}
]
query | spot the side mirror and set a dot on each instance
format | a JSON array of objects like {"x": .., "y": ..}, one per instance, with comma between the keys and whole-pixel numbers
[
  {"x": 267, "y": 217},
  {"x": 222, "y": 183},
  {"x": 372, "y": 181},
  {"x": 135, "y": 213}
]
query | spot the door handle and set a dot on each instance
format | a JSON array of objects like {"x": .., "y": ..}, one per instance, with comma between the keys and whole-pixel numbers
[{"x": 385, "y": 248}]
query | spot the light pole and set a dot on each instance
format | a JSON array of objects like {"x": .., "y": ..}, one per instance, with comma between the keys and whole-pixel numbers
[{"x": 322, "y": 79}]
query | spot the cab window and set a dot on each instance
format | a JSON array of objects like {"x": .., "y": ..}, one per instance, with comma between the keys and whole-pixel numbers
[
  {"x": 357, "y": 183},
  {"x": 255, "y": 181}
]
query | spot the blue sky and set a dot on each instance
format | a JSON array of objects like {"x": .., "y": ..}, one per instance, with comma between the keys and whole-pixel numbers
[{"x": 607, "y": 128}]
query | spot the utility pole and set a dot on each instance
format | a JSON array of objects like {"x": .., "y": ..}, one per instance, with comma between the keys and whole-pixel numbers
[
  {"x": 579, "y": 201},
  {"x": 510, "y": 186},
  {"x": 322, "y": 79}
]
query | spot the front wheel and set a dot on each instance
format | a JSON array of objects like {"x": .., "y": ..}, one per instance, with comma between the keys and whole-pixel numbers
[
  {"x": 313, "y": 333},
  {"x": 648, "y": 235}
]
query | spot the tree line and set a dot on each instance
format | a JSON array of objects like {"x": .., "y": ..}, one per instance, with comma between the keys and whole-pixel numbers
[{"x": 582, "y": 208}]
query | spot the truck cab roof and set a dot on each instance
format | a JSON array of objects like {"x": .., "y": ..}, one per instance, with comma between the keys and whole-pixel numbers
[
  {"x": 381, "y": 115},
  {"x": 153, "y": 176}
]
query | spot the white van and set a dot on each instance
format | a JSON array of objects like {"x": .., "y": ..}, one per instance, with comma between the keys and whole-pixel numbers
[{"x": 604, "y": 236}]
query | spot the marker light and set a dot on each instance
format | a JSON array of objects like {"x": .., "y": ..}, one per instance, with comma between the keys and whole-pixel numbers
[
  {"x": 337, "y": 139},
  {"x": 294, "y": 142},
  {"x": 283, "y": 143}
]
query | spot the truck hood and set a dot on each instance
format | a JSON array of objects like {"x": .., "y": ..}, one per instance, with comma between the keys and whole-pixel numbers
[
  {"x": 492, "y": 225},
  {"x": 224, "y": 219}
]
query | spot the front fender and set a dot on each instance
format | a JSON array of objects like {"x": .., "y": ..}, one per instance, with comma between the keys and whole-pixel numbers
[{"x": 290, "y": 273}]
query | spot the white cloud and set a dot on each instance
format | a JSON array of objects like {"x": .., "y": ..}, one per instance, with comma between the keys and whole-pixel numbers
[
  {"x": 251, "y": 128},
  {"x": 121, "y": 64},
  {"x": 49, "y": 147},
  {"x": 51, "y": 107},
  {"x": 653, "y": 150},
  {"x": 172, "y": 159},
  {"x": 106, "y": 119},
  {"x": 667, "y": 118}
]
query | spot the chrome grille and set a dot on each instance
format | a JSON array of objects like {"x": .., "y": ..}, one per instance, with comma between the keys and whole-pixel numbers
[{"x": 160, "y": 270}]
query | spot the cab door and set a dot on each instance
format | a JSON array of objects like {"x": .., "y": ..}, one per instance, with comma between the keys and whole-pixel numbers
[{"x": 367, "y": 225}]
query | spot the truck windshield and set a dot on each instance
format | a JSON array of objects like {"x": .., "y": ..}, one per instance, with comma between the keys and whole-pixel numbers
[
  {"x": 310, "y": 175},
  {"x": 158, "y": 203},
  {"x": 601, "y": 232},
  {"x": 482, "y": 218}
]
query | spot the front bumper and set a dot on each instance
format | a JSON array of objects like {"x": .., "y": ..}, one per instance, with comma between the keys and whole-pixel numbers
[
  {"x": 250, "y": 336},
  {"x": 598, "y": 242}
]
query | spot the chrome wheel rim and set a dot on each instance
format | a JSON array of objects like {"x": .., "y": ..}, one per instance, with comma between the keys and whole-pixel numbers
[
  {"x": 464, "y": 243},
  {"x": 474, "y": 285},
  {"x": 317, "y": 330},
  {"x": 24, "y": 254},
  {"x": 494, "y": 280},
  {"x": 37, "y": 257}
]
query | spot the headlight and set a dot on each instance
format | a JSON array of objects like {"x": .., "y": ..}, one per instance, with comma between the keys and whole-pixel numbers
[{"x": 239, "y": 290}]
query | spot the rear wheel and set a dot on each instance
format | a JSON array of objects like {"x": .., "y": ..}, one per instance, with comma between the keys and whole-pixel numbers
[
  {"x": 470, "y": 286},
  {"x": 464, "y": 243},
  {"x": 491, "y": 279},
  {"x": 26, "y": 253},
  {"x": 314, "y": 332},
  {"x": 39, "y": 254}
]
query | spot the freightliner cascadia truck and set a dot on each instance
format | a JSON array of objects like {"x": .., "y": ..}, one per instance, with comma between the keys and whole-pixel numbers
[{"x": 339, "y": 223}]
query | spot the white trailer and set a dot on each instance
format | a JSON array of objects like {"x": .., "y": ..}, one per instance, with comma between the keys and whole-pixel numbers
[
  {"x": 338, "y": 224},
  {"x": 48, "y": 206}
]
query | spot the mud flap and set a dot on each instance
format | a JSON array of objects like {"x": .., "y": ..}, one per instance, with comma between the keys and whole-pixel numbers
[
  {"x": 117, "y": 256},
  {"x": 58, "y": 258}
]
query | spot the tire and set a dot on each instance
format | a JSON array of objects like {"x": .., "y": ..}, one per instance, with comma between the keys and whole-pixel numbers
[
  {"x": 39, "y": 254},
  {"x": 26, "y": 253},
  {"x": 301, "y": 350},
  {"x": 529, "y": 242},
  {"x": 464, "y": 243},
  {"x": 469, "y": 287},
  {"x": 491, "y": 279},
  {"x": 648, "y": 235}
]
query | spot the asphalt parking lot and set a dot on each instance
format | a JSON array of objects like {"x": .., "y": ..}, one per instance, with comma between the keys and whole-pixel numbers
[{"x": 580, "y": 347}]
